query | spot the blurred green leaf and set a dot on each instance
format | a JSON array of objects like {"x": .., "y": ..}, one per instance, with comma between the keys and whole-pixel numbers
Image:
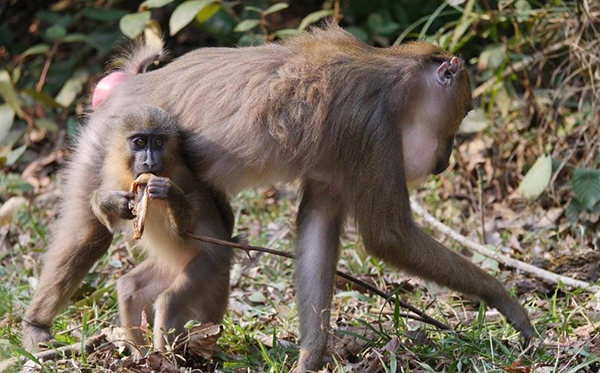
[
  {"x": 523, "y": 10},
  {"x": 7, "y": 118},
  {"x": 16, "y": 133},
  {"x": 275, "y": 8},
  {"x": 358, "y": 33},
  {"x": 537, "y": 178},
  {"x": 374, "y": 22},
  {"x": 246, "y": 25},
  {"x": 185, "y": 13},
  {"x": 56, "y": 32},
  {"x": 209, "y": 11},
  {"x": 8, "y": 93},
  {"x": 72, "y": 87},
  {"x": 133, "y": 24},
  {"x": 586, "y": 185},
  {"x": 475, "y": 121},
  {"x": 41, "y": 97},
  {"x": 251, "y": 8},
  {"x": 314, "y": 17},
  {"x": 388, "y": 28},
  {"x": 492, "y": 57},
  {"x": 286, "y": 33},
  {"x": 151, "y": 4},
  {"x": 14, "y": 155},
  {"x": 46, "y": 123},
  {"x": 247, "y": 40},
  {"x": 16, "y": 73},
  {"x": 36, "y": 49},
  {"x": 75, "y": 38},
  {"x": 378, "y": 25}
]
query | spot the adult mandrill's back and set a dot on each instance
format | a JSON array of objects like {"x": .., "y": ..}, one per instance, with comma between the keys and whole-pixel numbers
[{"x": 259, "y": 113}]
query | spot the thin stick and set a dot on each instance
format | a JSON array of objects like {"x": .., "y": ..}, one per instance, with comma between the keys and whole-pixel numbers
[
  {"x": 53, "y": 354},
  {"x": 46, "y": 67},
  {"x": 247, "y": 248},
  {"x": 514, "y": 263}
]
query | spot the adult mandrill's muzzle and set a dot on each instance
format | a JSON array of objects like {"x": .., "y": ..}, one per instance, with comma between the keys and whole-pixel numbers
[{"x": 443, "y": 160}]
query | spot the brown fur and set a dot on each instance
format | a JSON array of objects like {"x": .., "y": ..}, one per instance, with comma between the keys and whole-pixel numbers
[{"x": 355, "y": 123}]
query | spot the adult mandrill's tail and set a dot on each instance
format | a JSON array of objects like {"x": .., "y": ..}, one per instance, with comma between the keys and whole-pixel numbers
[
  {"x": 131, "y": 63},
  {"x": 142, "y": 56}
]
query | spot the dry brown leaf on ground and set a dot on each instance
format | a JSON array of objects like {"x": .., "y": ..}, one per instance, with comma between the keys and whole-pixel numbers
[
  {"x": 342, "y": 345},
  {"x": 392, "y": 347},
  {"x": 202, "y": 339}
]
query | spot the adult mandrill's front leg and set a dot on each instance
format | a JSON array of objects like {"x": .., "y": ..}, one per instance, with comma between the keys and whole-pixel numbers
[{"x": 320, "y": 219}]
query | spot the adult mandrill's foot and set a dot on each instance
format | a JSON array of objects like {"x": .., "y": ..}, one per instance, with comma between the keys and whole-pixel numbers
[
  {"x": 308, "y": 361},
  {"x": 34, "y": 334}
]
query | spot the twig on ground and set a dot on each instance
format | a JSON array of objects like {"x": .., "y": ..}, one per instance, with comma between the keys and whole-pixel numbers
[
  {"x": 514, "y": 263},
  {"x": 53, "y": 354},
  {"x": 247, "y": 248}
]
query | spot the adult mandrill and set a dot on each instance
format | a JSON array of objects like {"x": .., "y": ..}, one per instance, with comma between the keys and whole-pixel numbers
[
  {"x": 182, "y": 279},
  {"x": 353, "y": 122}
]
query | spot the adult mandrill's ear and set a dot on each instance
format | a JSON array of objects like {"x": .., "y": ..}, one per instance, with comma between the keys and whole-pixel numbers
[{"x": 447, "y": 71}]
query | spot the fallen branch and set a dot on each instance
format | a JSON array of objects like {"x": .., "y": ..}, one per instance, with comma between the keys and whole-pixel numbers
[
  {"x": 247, "y": 248},
  {"x": 75, "y": 348},
  {"x": 514, "y": 263}
]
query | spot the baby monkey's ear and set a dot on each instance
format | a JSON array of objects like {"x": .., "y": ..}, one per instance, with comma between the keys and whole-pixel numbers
[{"x": 447, "y": 71}]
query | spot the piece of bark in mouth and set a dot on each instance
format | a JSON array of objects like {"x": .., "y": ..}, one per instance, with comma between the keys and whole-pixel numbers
[{"x": 139, "y": 206}]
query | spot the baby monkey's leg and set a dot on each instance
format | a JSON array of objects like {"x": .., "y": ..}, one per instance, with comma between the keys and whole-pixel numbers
[
  {"x": 199, "y": 293},
  {"x": 137, "y": 292}
]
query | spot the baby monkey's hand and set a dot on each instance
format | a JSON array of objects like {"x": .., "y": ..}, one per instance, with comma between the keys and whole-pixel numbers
[
  {"x": 160, "y": 188},
  {"x": 116, "y": 203}
]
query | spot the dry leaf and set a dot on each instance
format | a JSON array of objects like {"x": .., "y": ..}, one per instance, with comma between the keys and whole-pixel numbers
[{"x": 202, "y": 339}]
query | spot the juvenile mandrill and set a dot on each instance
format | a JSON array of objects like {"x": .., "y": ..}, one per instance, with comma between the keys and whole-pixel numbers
[
  {"x": 181, "y": 279},
  {"x": 355, "y": 123}
]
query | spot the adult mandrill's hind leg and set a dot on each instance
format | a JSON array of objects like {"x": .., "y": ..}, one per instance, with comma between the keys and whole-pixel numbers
[
  {"x": 320, "y": 219},
  {"x": 79, "y": 240}
]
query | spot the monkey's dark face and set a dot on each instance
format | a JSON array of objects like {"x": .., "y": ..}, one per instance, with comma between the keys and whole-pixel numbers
[{"x": 147, "y": 149}]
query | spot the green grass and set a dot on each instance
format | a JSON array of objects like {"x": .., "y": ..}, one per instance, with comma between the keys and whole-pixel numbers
[{"x": 261, "y": 335}]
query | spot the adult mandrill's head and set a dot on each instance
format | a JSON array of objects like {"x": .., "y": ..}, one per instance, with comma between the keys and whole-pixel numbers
[
  {"x": 440, "y": 100},
  {"x": 146, "y": 140}
]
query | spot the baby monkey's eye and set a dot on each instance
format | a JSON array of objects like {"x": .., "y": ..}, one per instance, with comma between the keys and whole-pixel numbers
[
  {"x": 140, "y": 143},
  {"x": 159, "y": 143}
]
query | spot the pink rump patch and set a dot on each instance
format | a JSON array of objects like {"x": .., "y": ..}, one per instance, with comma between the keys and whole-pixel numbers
[{"x": 105, "y": 86}]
